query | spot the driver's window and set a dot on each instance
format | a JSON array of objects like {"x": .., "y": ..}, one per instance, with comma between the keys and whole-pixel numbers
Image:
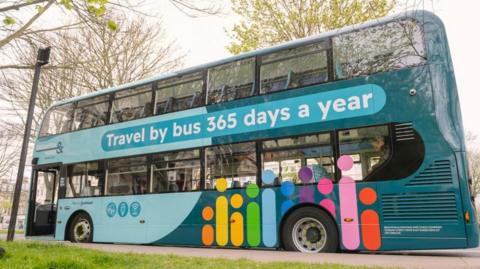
[{"x": 369, "y": 148}]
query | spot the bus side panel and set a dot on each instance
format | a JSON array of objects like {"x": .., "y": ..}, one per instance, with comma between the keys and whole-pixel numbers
[
  {"x": 424, "y": 211},
  {"x": 138, "y": 219},
  {"x": 322, "y": 193},
  {"x": 66, "y": 208}
]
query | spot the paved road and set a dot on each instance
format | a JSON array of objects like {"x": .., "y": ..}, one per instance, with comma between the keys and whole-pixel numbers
[
  {"x": 428, "y": 259},
  {"x": 469, "y": 258}
]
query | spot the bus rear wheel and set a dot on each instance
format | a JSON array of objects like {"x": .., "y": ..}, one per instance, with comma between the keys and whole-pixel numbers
[
  {"x": 81, "y": 229},
  {"x": 310, "y": 230}
]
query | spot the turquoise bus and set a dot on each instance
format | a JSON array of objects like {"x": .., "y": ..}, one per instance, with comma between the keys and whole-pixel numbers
[{"x": 351, "y": 140}]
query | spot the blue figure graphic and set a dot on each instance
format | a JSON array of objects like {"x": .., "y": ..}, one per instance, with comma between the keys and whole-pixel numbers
[
  {"x": 135, "y": 209},
  {"x": 111, "y": 209},
  {"x": 122, "y": 209}
]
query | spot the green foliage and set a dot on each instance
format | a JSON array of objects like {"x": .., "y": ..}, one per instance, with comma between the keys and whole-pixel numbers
[
  {"x": 8, "y": 20},
  {"x": 265, "y": 23},
  {"x": 67, "y": 4},
  {"x": 55, "y": 255},
  {"x": 5, "y": 204},
  {"x": 4, "y": 231},
  {"x": 112, "y": 25},
  {"x": 96, "y": 8}
]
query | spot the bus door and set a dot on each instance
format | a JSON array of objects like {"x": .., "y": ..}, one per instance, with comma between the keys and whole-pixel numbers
[{"x": 43, "y": 198}]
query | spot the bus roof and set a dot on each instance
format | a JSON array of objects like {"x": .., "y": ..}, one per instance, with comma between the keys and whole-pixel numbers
[{"x": 415, "y": 14}]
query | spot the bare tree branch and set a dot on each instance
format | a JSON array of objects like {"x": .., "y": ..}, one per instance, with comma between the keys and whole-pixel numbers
[
  {"x": 19, "y": 6},
  {"x": 197, "y": 8},
  {"x": 22, "y": 29}
]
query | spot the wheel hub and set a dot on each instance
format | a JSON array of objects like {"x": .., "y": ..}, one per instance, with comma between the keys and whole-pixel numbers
[
  {"x": 309, "y": 235},
  {"x": 313, "y": 235},
  {"x": 81, "y": 230}
]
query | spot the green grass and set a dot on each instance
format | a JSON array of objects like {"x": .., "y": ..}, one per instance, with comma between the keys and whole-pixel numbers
[
  {"x": 26, "y": 254},
  {"x": 2, "y": 231}
]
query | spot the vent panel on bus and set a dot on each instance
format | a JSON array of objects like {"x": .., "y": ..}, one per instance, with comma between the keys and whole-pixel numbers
[
  {"x": 439, "y": 172},
  {"x": 419, "y": 206},
  {"x": 404, "y": 132}
]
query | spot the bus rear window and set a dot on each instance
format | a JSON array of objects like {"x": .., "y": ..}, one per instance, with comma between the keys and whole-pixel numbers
[
  {"x": 381, "y": 48},
  {"x": 57, "y": 120}
]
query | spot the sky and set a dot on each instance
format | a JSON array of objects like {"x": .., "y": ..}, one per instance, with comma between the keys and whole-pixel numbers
[{"x": 204, "y": 40}]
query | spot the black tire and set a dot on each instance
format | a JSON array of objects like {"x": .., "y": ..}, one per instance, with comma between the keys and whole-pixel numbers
[
  {"x": 80, "y": 222},
  {"x": 303, "y": 215}
]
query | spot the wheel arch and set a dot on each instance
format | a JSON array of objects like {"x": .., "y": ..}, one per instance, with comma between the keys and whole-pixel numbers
[
  {"x": 70, "y": 220},
  {"x": 297, "y": 207}
]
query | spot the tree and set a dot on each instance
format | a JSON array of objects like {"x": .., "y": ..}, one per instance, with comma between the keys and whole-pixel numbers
[
  {"x": 92, "y": 58},
  {"x": 19, "y": 18},
  {"x": 8, "y": 152},
  {"x": 474, "y": 166},
  {"x": 5, "y": 205},
  {"x": 473, "y": 155},
  {"x": 265, "y": 23}
]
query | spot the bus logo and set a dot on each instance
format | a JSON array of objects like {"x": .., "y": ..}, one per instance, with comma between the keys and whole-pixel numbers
[
  {"x": 135, "y": 209},
  {"x": 58, "y": 148},
  {"x": 111, "y": 209},
  {"x": 122, "y": 209}
]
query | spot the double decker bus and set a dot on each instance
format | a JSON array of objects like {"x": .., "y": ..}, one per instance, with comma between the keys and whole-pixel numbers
[{"x": 348, "y": 140}]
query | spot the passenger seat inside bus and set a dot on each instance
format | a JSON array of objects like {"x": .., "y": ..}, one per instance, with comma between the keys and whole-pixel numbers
[
  {"x": 236, "y": 184},
  {"x": 172, "y": 187},
  {"x": 122, "y": 189}
]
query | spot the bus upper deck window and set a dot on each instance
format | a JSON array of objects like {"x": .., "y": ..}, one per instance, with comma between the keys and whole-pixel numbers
[
  {"x": 179, "y": 93},
  {"x": 58, "y": 120},
  {"x": 132, "y": 104},
  {"x": 91, "y": 113},
  {"x": 381, "y": 48},
  {"x": 231, "y": 81},
  {"x": 292, "y": 68}
]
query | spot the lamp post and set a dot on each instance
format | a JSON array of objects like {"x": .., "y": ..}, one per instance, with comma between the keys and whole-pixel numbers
[{"x": 43, "y": 56}]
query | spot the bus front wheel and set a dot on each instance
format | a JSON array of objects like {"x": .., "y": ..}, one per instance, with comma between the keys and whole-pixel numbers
[
  {"x": 310, "y": 229},
  {"x": 81, "y": 229}
]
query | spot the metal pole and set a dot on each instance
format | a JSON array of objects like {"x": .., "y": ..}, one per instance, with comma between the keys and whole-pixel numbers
[{"x": 42, "y": 59}]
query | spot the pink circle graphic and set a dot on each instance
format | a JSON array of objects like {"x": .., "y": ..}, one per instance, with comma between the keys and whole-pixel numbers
[
  {"x": 345, "y": 162},
  {"x": 329, "y": 205},
  {"x": 305, "y": 174},
  {"x": 346, "y": 180},
  {"x": 325, "y": 186}
]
